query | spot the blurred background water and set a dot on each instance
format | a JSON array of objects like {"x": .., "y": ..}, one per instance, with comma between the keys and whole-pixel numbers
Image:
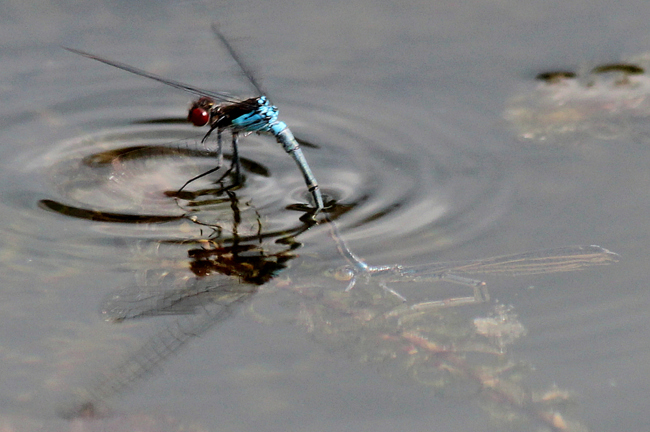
[{"x": 430, "y": 127}]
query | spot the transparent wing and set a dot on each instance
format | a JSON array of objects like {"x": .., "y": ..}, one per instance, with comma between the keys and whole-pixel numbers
[
  {"x": 138, "y": 301},
  {"x": 220, "y": 96},
  {"x": 563, "y": 259},
  {"x": 160, "y": 346},
  {"x": 246, "y": 69}
]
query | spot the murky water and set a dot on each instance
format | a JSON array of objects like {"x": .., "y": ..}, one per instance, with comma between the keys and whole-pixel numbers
[{"x": 436, "y": 143}]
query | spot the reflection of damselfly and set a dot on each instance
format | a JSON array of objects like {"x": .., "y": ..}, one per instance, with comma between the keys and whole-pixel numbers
[
  {"x": 222, "y": 111},
  {"x": 563, "y": 259}
]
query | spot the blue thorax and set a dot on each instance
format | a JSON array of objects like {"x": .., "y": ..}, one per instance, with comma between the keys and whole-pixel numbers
[{"x": 264, "y": 118}]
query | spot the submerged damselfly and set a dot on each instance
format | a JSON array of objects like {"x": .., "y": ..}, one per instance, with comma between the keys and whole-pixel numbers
[
  {"x": 569, "y": 258},
  {"x": 224, "y": 275}
]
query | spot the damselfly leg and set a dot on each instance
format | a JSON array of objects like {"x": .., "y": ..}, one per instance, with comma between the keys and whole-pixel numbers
[{"x": 235, "y": 163}]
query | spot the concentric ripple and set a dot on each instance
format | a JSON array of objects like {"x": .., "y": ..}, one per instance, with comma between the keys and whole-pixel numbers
[{"x": 415, "y": 189}]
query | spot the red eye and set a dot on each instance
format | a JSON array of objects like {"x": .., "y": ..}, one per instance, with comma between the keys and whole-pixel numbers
[{"x": 198, "y": 116}]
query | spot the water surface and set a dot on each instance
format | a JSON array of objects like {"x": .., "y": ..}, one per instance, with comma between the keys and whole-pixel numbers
[{"x": 410, "y": 108}]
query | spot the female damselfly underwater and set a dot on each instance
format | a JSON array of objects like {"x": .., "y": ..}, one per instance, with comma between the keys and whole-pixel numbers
[{"x": 225, "y": 274}]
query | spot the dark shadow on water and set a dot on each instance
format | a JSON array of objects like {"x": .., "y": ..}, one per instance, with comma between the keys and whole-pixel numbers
[
  {"x": 147, "y": 152},
  {"x": 103, "y": 216}
]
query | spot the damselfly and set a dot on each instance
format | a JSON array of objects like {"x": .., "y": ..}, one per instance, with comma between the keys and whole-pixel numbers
[
  {"x": 222, "y": 111},
  {"x": 569, "y": 258}
]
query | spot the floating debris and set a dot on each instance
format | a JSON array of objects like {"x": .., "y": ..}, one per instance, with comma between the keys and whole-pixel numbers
[{"x": 608, "y": 101}]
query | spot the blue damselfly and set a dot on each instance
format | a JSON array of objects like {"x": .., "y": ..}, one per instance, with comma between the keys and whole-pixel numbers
[{"x": 222, "y": 111}]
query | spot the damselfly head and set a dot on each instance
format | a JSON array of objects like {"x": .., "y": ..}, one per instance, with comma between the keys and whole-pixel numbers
[
  {"x": 199, "y": 113},
  {"x": 344, "y": 273}
]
